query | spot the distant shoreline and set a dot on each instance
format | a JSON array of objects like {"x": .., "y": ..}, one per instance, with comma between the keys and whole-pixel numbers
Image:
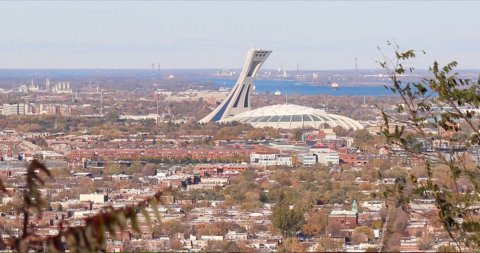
[{"x": 292, "y": 87}]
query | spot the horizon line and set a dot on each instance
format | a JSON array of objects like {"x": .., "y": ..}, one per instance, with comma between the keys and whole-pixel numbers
[{"x": 230, "y": 69}]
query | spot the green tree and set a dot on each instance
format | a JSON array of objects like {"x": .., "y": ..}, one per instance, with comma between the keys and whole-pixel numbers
[
  {"x": 340, "y": 131},
  {"x": 362, "y": 137},
  {"x": 447, "y": 248},
  {"x": 315, "y": 224},
  {"x": 439, "y": 101},
  {"x": 362, "y": 232},
  {"x": 327, "y": 244},
  {"x": 113, "y": 168},
  {"x": 256, "y": 134},
  {"x": 287, "y": 220},
  {"x": 292, "y": 245},
  {"x": 112, "y": 116}
]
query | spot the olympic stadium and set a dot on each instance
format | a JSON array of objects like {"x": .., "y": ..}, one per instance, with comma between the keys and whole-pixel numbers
[
  {"x": 236, "y": 106},
  {"x": 289, "y": 116}
]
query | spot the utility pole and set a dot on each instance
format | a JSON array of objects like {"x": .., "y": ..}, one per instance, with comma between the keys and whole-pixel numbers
[
  {"x": 157, "y": 109},
  {"x": 101, "y": 103}
]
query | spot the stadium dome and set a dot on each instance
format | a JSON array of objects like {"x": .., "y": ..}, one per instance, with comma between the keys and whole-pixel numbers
[{"x": 293, "y": 116}]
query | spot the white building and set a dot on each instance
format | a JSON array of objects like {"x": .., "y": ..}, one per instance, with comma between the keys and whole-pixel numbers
[
  {"x": 13, "y": 109},
  {"x": 235, "y": 236},
  {"x": 307, "y": 160},
  {"x": 50, "y": 155},
  {"x": 373, "y": 205},
  {"x": 326, "y": 156},
  {"x": 220, "y": 181},
  {"x": 62, "y": 88},
  {"x": 270, "y": 160},
  {"x": 95, "y": 198},
  {"x": 151, "y": 116},
  {"x": 212, "y": 237}
]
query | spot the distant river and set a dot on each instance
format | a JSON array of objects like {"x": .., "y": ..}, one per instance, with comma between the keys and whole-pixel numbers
[{"x": 294, "y": 87}]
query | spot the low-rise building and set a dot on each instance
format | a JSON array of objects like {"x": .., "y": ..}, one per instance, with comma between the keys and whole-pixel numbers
[
  {"x": 235, "y": 236},
  {"x": 307, "y": 160},
  {"x": 94, "y": 198},
  {"x": 326, "y": 156},
  {"x": 270, "y": 159},
  {"x": 344, "y": 219}
]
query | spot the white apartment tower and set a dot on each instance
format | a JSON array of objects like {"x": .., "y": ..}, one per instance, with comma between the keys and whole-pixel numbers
[{"x": 238, "y": 100}]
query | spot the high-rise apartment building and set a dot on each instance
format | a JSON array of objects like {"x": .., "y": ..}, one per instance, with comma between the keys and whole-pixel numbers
[{"x": 14, "y": 109}]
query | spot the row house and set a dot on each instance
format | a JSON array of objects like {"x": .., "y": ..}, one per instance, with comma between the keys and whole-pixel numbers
[
  {"x": 353, "y": 159},
  {"x": 128, "y": 154},
  {"x": 217, "y": 169},
  {"x": 166, "y": 153}
]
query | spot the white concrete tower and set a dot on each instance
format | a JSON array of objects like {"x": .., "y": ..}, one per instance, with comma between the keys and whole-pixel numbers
[{"x": 238, "y": 100}]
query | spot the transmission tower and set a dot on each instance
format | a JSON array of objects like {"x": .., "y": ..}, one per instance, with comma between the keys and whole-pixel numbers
[
  {"x": 356, "y": 70},
  {"x": 153, "y": 71}
]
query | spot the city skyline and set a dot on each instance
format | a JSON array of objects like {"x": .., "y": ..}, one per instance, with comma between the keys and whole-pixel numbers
[{"x": 189, "y": 35}]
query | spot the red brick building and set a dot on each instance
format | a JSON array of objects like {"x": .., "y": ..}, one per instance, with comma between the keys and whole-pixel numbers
[
  {"x": 133, "y": 154},
  {"x": 353, "y": 159},
  {"x": 343, "y": 219}
]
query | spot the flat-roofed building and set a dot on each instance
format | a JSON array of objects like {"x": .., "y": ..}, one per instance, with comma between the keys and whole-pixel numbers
[
  {"x": 13, "y": 109},
  {"x": 326, "y": 156},
  {"x": 271, "y": 159},
  {"x": 94, "y": 198}
]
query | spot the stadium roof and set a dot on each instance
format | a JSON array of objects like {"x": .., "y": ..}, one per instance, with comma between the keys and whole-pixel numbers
[{"x": 289, "y": 116}]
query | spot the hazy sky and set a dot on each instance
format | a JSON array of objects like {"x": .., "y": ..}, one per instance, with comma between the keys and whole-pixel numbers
[{"x": 214, "y": 34}]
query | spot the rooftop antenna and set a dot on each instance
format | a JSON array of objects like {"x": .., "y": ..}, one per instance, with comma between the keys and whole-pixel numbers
[
  {"x": 356, "y": 70},
  {"x": 157, "y": 109}
]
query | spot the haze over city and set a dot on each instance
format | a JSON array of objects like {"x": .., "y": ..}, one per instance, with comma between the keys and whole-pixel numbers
[{"x": 214, "y": 34}]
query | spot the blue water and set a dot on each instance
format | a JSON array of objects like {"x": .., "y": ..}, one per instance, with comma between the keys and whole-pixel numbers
[{"x": 293, "y": 87}]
